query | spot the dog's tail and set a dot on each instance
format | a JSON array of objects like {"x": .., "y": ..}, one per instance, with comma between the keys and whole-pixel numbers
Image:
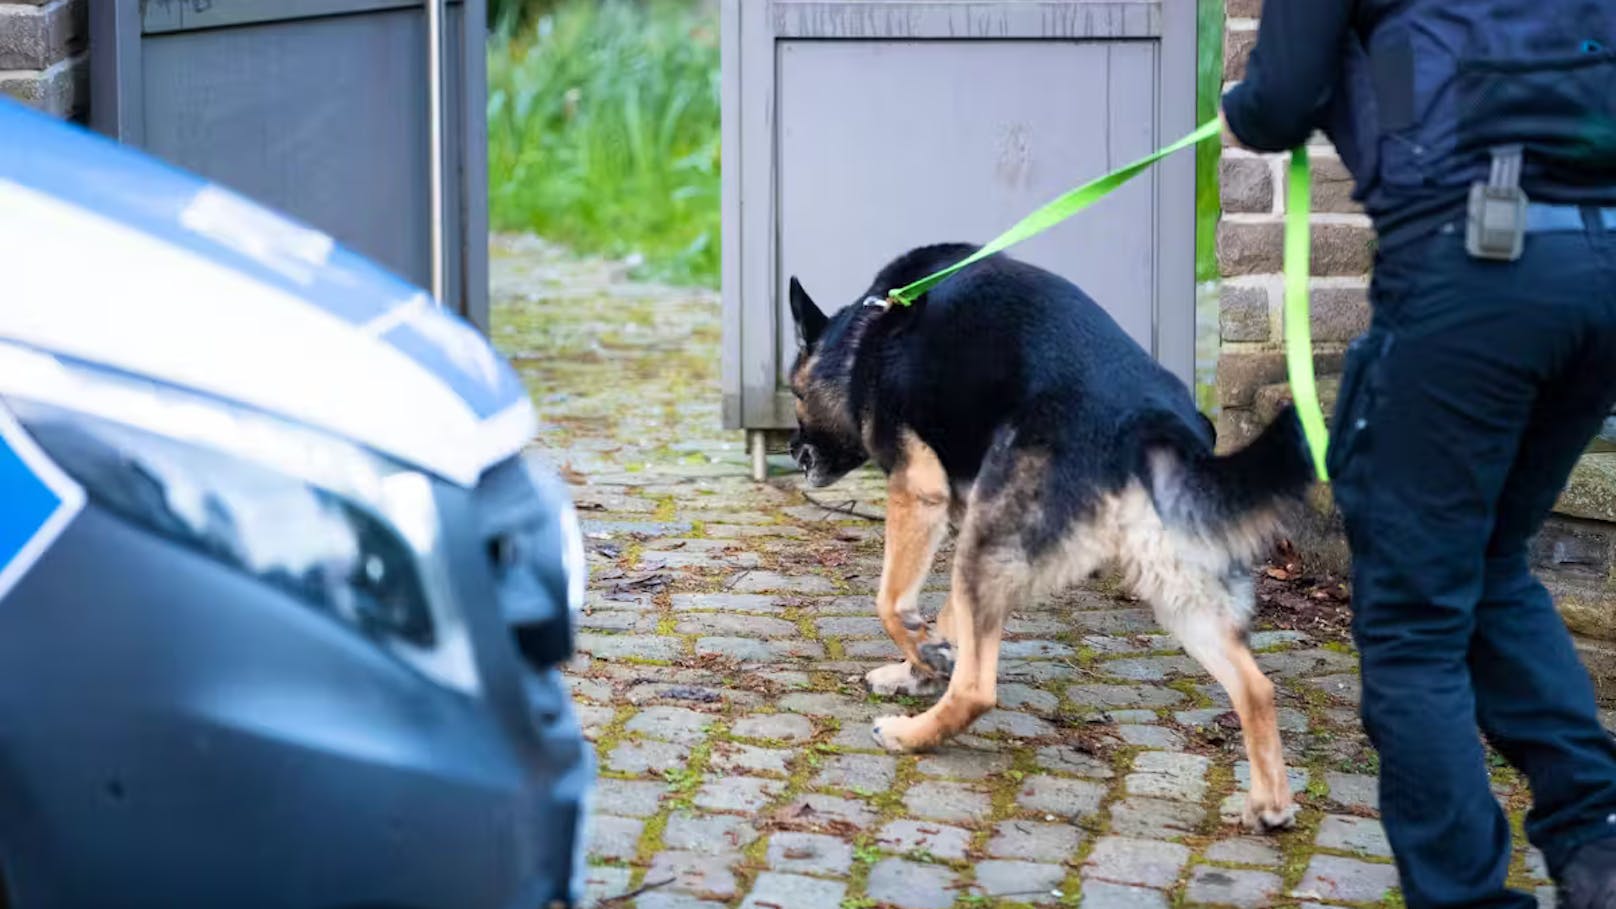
[{"x": 1238, "y": 499}]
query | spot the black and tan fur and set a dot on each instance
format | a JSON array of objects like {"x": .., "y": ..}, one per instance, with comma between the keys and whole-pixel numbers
[{"x": 1008, "y": 402}]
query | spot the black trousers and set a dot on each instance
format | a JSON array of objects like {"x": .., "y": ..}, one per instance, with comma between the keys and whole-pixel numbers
[{"x": 1462, "y": 412}]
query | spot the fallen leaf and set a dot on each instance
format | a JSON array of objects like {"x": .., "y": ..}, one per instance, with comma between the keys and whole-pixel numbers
[{"x": 642, "y": 582}]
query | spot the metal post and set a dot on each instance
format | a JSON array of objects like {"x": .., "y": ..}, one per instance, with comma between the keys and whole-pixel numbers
[
  {"x": 117, "y": 97},
  {"x": 757, "y": 442},
  {"x": 436, "y": 156}
]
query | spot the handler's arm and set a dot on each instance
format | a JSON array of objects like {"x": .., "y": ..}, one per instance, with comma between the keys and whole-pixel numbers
[{"x": 1292, "y": 71}]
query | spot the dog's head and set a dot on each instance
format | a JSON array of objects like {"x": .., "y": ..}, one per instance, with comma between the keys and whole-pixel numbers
[{"x": 829, "y": 442}]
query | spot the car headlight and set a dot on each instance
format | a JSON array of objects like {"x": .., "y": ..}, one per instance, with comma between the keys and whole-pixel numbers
[
  {"x": 536, "y": 554},
  {"x": 328, "y": 522}
]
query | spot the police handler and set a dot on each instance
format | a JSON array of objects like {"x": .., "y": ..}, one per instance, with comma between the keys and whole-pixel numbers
[{"x": 1481, "y": 135}]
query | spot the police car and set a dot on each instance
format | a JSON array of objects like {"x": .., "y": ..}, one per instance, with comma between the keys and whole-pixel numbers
[{"x": 282, "y": 603}]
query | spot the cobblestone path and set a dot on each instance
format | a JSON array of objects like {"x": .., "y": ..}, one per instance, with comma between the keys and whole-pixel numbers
[{"x": 729, "y": 625}]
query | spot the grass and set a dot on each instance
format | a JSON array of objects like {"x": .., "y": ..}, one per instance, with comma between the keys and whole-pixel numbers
[{"x": 603, "y": 132}]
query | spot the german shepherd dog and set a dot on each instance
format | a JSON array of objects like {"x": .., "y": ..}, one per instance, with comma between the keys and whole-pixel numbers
[{"x": 1005, "y": 401}]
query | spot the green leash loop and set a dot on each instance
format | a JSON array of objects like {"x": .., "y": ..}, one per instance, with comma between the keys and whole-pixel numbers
[{"x": 1298, "y": 340}]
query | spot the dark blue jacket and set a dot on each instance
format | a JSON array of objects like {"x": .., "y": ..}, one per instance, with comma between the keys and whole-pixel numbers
[{"x": 1414, "y": 93}]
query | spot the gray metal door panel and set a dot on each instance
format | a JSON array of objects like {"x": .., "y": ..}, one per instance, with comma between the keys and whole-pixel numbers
[
  {"x": 946, "y": 144},
  {"x": 857, "y": 129},
  {"x": 321, "y": 115},
  {"x": 206, "y": 113},
  {"x": 1024, "y": 19}
]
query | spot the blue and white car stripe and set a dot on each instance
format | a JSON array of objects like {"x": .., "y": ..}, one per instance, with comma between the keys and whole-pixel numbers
[
  {"x": 39, "y": 500},
  {"x": 117, "y": 259}
]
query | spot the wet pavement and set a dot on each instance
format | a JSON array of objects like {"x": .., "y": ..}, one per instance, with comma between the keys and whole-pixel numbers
[{"x": 728, "y": 627}]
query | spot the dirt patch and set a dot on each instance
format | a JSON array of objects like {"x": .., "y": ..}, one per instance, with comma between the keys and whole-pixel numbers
[{"x": 1291, "y": 597}]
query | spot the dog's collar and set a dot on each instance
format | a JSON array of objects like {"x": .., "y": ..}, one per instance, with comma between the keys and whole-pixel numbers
[{"x": 881, "y": 303}]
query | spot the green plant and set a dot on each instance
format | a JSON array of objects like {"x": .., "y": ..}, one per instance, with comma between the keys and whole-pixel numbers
[
  {"x": 506, "y": 15},
  {"x": 603, "y": 132},
  {"x": 681, "y": 779},
  {"x": 1318, "y": 788}
]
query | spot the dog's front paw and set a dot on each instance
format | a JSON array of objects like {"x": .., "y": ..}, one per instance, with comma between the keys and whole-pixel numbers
[
  {"x": 901, "y": 679},
  {"x": 898, "y": 734},
  {"x": 939, "y": 656},
  {"x": 1268, "y": 818}
]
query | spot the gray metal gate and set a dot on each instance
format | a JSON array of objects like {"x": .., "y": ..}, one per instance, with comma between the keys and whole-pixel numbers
[
  {"x": 320, "y": 108},
  {"x": 857, "y": 129}
]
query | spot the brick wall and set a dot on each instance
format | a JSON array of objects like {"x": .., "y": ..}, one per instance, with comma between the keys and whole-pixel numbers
[
  {"x": 42, "y": 60},
  {"x": 1251, "y": 367}
]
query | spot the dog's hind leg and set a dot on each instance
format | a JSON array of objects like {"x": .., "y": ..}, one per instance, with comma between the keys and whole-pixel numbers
[
  {"x": 1221, "y": 648},
  {"x": 917, "y": 520},
  {"x": 1207, "y": 612},
  {"x": 948, "y": 624}
]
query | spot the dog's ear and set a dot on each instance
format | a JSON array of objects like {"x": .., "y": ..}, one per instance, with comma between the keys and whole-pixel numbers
[{"x": 810, "y": 321}]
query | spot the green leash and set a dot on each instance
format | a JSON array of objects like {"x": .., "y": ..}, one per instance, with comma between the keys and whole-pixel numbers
[
  {"x": 1298, "y": 341},
  {"x": 1298, "y": 327},
  {"x": 1055, "y": 212}
]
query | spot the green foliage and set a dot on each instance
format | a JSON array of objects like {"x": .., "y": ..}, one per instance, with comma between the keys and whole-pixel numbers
[
  {"x": 1208, "y": 100},
  {"x": 603, "y": 132},
  {"x": 506, "y": 15},
  {"x": 681, "y": 780}
]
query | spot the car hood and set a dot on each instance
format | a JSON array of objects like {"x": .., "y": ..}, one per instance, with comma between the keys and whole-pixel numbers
[{"x": 113, "y": 258}]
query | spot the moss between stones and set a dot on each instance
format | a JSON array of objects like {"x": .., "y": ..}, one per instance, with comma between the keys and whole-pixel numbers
[
  {"x": 630, "y": 555},
  {"x": 1296, "y": 847},
  {"x": 1220, "y": 784},
  {"x": 665, "y": 509},
  {"x": 650, "y": 844},
  {"x": 640, "y": 661},
  {"x": 1198, "y": 699},
  {"x": 611, "y": 735},
  {"x": 1317, "y": 786},
  {"x": 1002, "y": 792}
]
